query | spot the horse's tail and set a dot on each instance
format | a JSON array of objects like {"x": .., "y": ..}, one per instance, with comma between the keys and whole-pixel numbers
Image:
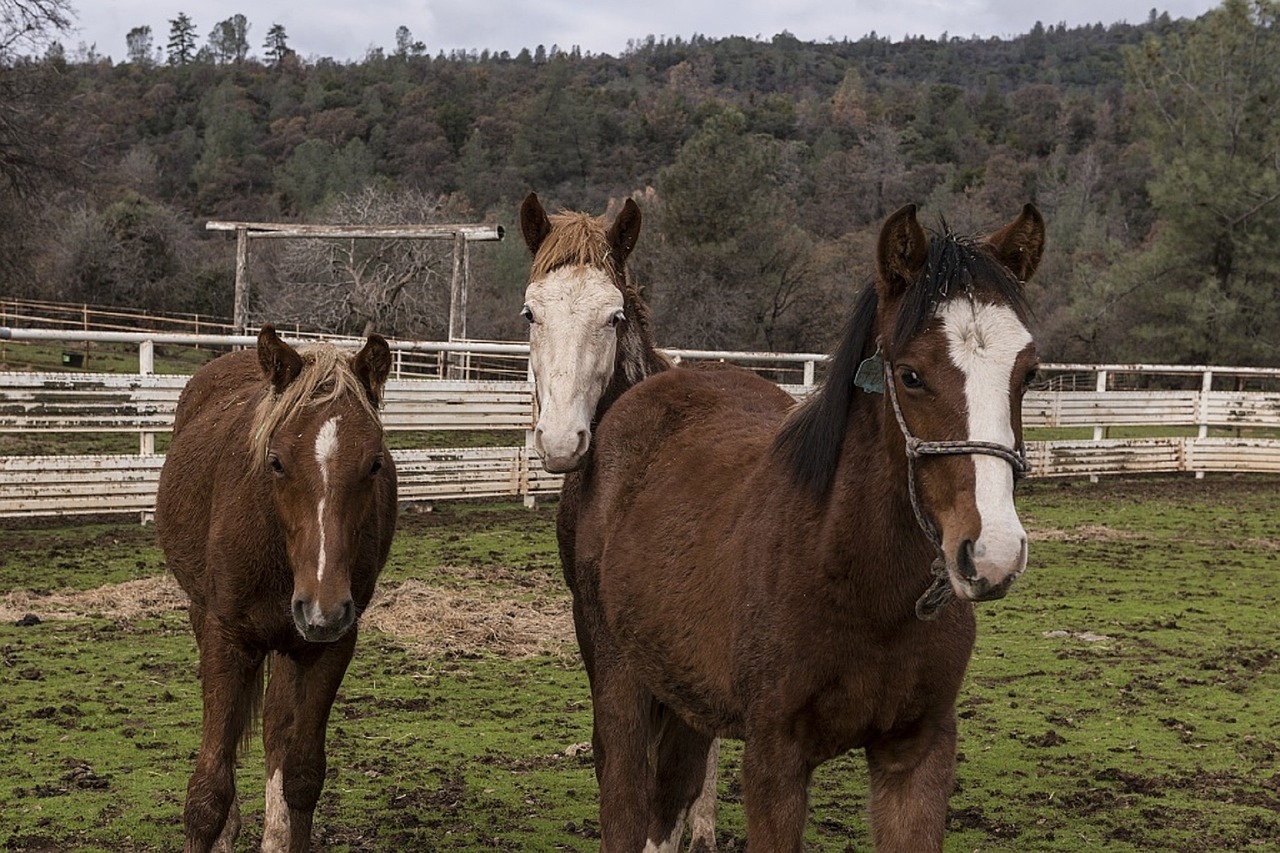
[{"x": 253, "y": 712}]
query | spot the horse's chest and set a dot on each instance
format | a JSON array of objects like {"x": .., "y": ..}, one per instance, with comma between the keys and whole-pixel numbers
[{"x": 842, "y": 693}]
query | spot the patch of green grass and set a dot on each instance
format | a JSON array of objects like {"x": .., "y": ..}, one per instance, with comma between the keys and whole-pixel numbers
[
  {"x": 411, "y": 440},
  {"x": 39, "y": 557},
  {"x": 1124, "y": 697},
  {"x": 99, "y": 357}
]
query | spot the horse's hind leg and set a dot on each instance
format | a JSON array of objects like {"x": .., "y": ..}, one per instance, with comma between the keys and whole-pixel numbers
[
  {"x": 702, "y": 814},
  {"x": 685, "y": 780},
  {"x": 229, "y": 680},
  {"x": 294, "y": 718},
  {"x": 911, "y": 781}
]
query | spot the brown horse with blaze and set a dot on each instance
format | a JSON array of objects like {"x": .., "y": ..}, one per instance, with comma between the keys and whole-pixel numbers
[
  {"x": 802, "y": 577},
  {"x": 276, "y": 510}
]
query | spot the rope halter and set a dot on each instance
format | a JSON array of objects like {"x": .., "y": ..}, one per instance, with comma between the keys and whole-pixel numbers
[{"x": 874, "y": 378}]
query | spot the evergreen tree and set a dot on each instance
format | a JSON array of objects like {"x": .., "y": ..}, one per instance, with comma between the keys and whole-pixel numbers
[
  {"x": 182, "y": 40},
  {"x": 406, "y": 46},
  {"x": 276, "y": 46},
  {"x": 1211, "y": 103}
]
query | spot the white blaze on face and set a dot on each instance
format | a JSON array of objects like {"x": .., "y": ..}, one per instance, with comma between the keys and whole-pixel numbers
[
  {"x": 326, "y": 446},
  {"x": 572, "y": 346},
  {"x": 984, "y": 341}
]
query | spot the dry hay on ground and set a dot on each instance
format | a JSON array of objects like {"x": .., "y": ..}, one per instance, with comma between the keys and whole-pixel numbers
[{"x": 426, "y": 620}]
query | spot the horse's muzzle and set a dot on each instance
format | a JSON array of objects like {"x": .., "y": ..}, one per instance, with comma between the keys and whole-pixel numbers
[
  {"x": 562, "y": 452},
  {"x": 323, "y": 625},
  {"x": 974, "y": 579}
]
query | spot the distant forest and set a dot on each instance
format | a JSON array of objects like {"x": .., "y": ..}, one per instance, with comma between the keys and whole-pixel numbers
[{"x": 762, "y": 169}]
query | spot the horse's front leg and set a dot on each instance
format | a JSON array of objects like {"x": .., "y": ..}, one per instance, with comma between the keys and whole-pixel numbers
[
  {"x": 294, "y": 718},
  {"x": 621, "y": 709},
  {"x": 911, "y": 780},
  {"x": 229, "y": 681},
  {"x": 775, "y": 792}
]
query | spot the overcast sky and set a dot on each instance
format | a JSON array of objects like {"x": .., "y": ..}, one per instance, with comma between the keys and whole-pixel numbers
[{"x": 347, "y": 29}]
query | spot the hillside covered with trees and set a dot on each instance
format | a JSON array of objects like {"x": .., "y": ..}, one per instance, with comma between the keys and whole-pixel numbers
[{"x": 762, "y": 169}]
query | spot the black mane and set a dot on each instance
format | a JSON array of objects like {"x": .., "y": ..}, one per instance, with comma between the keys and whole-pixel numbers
[{"x": 812, "y": 438}]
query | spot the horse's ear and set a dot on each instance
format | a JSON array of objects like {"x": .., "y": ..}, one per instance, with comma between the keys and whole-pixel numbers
[
  {"x": 900, "y": 253},
  {"x": 371, "y": 366},
  {"x": 534, "y": 224},
  {"x": 625, "y": 231},
  {"x": 280, "y": 362},
  {"x": 1020, "y": 244}
]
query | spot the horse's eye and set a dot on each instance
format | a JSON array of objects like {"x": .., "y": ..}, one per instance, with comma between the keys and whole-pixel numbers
[
  {"x": 376, "y": 466},
  {"x": 527, "y": 313},
  {"x": 276, "y": 465},
  {"x": 1032, "y": 375},
  {"x": 911, "y": 379},
  {"x": 615, "y": 318}
]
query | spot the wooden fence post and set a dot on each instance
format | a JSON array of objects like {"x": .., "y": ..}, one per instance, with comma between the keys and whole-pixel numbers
[{"x": 240, "y": 306}]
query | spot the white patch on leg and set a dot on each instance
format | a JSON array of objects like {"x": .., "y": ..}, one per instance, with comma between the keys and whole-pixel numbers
[
  {"x": 984, "y": 341},
  {"x": 702, "y": 815},
  {"x": 326, "y": 445},
  {"x": 275, "y": 826},
  {"x": 226, "y": 842},
  {"x": 671, "y": 844}
]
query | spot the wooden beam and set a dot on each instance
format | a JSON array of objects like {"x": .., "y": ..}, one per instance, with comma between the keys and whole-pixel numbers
[{"x": 468, "y": 232}]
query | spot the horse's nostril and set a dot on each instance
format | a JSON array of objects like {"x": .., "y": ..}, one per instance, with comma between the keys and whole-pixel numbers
[
  {"x": 964, "y": 560},
  {"x": 301, "y": 620}
]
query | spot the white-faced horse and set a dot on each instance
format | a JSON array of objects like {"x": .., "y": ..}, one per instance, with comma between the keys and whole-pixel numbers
[{"x": 589, "y": 341}]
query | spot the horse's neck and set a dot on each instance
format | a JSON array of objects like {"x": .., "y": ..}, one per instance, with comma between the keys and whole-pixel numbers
[
  {"x": 637, "y": 357},
  {"x": 631, "y": 366},
  {"x": 869, "y": 515}
]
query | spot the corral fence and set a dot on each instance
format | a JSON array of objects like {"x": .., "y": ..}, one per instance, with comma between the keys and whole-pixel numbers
[{"x": 1081, "y": 420}]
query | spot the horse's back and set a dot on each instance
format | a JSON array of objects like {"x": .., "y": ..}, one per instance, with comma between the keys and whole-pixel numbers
[
  {"x": 713, "y": 404},
  {"x": 220, "y": 383}
]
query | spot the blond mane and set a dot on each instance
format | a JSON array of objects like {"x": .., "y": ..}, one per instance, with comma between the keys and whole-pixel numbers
[
  {"x": 575, "y": 238},
  {"x": 326, "y": 375}
]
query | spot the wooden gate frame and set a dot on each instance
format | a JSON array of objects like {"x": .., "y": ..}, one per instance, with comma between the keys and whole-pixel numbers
[{"x": 461, "y": 235}]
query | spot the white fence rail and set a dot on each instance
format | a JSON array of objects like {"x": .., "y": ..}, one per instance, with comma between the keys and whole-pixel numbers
[{"x": 144, "y": 403}]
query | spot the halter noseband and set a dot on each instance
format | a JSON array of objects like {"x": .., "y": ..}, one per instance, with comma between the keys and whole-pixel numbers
[{"x": 939, "y": 594}]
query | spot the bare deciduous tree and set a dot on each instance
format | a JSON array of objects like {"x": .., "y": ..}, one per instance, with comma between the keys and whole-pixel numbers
[
  {"x": 358, "y": 286},
  {"x": 30, "y": 24}
]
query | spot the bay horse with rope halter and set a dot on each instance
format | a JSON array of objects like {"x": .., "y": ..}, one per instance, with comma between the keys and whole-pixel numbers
[
  {"x": 589, "y": 341},
  {"x": 802, "y": 576},
  {"x": 276, "y": 509}
]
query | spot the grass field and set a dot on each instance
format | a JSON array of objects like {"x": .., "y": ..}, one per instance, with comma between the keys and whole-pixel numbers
[{"x": 1124, "y": 697}]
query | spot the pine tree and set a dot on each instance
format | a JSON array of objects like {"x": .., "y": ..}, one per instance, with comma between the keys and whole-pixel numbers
[
  {"x": 276, "y": 46},
  {"x": 182, "y": 40},
  {"x": 1211, "y": 101}
]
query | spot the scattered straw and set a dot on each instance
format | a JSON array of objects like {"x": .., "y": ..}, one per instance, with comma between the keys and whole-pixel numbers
[{"x": 427, "y": 620}]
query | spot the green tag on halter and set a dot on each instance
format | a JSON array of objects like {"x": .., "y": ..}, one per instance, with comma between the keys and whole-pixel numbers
[{"x": 870, "y": 374}]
